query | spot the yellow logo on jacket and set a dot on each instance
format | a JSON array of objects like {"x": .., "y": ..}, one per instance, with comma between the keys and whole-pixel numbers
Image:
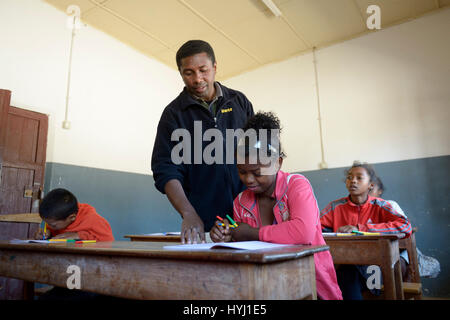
[{"x": 226, "y": 110}]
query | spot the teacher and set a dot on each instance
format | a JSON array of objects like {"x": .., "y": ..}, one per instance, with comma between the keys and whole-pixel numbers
[{"x": 199, "y": 190}]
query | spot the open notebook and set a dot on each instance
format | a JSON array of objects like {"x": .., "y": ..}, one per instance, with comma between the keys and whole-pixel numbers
[{"x": 242, "y": 245}]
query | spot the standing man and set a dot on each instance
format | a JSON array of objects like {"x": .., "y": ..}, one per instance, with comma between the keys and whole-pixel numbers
[{"x": 199, "y": 191}]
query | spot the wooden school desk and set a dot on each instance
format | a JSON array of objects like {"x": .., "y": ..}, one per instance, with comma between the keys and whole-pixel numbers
[
  {"x": 144, "y": 270},
  {"x": 379, "y": 250}
]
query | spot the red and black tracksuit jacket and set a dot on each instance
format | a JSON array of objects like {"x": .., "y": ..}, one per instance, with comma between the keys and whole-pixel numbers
[{"x": 375, "y": 215}]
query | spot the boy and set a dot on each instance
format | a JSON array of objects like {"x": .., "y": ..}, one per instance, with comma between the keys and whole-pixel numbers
[{"x": 68, "y": 219}]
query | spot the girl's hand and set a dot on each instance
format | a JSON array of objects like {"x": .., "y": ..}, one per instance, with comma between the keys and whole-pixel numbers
[
  {"x": 220, "y": 233},
  {"x": 347, "y": 229},
  {"x": 245, "y": 233}
]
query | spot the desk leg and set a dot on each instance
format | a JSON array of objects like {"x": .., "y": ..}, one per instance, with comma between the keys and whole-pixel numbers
[
  {"x": 28, "y": 290},
  {"x": 313, "y": 280},
  {"x": 390, "y": 268},
  {"x": 398, "y": 281}
]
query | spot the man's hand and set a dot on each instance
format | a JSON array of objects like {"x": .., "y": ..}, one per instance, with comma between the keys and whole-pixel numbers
[{"x": 192, "y": 228}]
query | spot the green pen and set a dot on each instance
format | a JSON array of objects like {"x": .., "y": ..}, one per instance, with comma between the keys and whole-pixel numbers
[{"x": 232, "y": 221}]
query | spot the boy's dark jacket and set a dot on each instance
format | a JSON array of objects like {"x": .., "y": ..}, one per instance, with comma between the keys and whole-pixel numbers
[{"x": 210, "y": 188}]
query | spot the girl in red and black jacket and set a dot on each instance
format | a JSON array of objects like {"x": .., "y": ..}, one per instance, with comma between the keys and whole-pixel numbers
[{"x": 360, "y": 211}]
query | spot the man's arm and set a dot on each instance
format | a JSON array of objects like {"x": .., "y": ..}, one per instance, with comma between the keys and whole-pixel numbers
[
  {"x": 168, "y": 179},
  {"x": 192, "y": 225}
]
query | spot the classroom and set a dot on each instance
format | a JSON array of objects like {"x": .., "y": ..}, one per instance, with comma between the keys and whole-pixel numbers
[{"x": 341, "y": 91}]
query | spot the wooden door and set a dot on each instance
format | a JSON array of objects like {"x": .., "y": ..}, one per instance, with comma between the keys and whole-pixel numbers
[
  {"x": 23, "y": 144},
  {"x": 23, "y": 137}
]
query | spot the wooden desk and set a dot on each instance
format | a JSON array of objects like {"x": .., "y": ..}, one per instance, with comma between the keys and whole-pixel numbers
[
  {"x": 144, "y": 270},
  {"x": 153, "y": 238},
  {"x": 17, "y": 226},
  {"x": 371, "y": 250}
]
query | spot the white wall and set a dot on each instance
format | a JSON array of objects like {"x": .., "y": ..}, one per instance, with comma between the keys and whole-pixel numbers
[
  {"x": 384, "y": 97},
  {"x": 117, "y": 94}
]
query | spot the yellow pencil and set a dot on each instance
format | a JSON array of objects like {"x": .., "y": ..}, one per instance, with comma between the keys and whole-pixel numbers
[
  {"x": 371, "y": 233},
  {"x": 45, "y": 231}
]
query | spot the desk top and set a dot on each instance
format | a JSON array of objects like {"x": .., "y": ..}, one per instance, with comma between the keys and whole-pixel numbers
[{"x": 155, "y": 250}]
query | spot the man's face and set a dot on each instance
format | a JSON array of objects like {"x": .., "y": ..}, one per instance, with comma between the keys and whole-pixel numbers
[{"x": 198, "y": 73}]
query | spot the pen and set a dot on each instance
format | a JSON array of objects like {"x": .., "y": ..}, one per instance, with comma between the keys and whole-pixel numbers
[
  {"x": 220, "y": 218},
  {"x": 232, "y": 221},
  {"x": 366, "y": 233},
  {"x": 45, "y": 231},
  {"x": 371, "y": 233},
  {"x": 86, "y": 241}
]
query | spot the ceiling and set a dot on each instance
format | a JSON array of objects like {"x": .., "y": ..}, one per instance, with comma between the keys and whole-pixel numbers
[{"x": 245, "y": 34}]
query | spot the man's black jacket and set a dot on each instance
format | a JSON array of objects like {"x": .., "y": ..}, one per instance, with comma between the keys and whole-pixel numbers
[{"x": 211, "y": 188}]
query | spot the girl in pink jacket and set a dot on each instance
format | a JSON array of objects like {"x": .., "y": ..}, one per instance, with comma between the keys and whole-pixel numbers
[{"x": 276, "y": 207}]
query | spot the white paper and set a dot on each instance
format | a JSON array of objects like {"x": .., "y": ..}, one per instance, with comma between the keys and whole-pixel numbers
[
  {"x": 242, "y": 245},
  {"x": 170, "y": 233},
  {"x": 329, "y": 234},
  {"x": 18, "y": 241}
]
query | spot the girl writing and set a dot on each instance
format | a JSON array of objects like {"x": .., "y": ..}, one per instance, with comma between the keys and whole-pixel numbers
[{"x": 277, "y": 206}]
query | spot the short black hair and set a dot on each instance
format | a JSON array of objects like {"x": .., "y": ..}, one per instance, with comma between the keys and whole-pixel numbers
[
  {"x": 58, "y": 204},
  {"x": 369, "y": 168},
  {"x": 377, "y": 181},
  {"x": 266, "y": 121},
  {"x": 193, "y": 47}
]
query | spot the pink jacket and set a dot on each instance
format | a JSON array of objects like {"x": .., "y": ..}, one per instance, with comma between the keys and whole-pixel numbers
[{"x": 296, "y": 222}]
